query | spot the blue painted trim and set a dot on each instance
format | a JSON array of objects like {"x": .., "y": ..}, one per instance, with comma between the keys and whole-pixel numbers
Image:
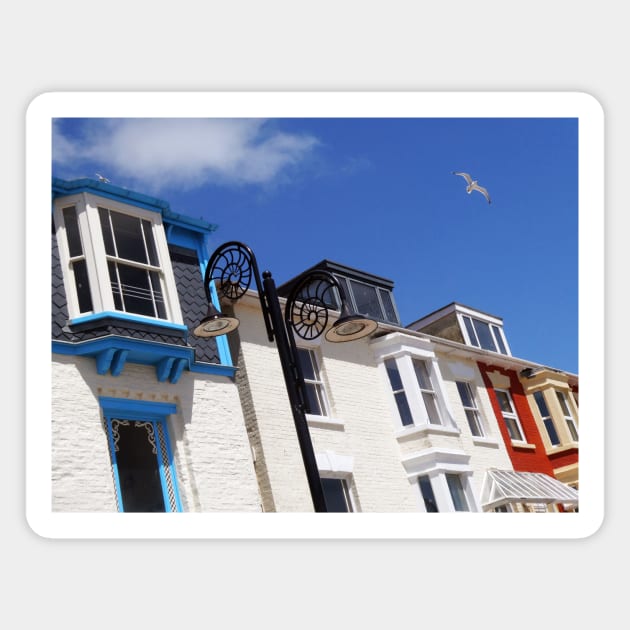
[
  {"x": 169, "y": 454},
  {"x": 188, "y": 223},
  {"x": 139, "y": 351},
  {"x": 94, "y": 346},
  {"x": 135, "y": 409},
  {"x": 62, "y": 187},
  {"x": 225, "y": 356},
  {"x": 142, "y": 411},
  {"x": 112, "y": 451},
  {"x": 213, "y": 368},
  {"x": 127, "y": 317}
]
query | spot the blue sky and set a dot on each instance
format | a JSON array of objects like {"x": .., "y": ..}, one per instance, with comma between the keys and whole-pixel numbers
[{"x": 377, "y": 194}]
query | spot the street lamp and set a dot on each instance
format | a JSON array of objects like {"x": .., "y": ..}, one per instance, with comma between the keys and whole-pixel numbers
[{"x": 231, "y": 268}]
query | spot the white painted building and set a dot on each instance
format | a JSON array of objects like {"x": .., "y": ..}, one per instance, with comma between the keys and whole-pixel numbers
[
  {"x": 145, "y": 417},
  {"x": 389, "y": 426}
]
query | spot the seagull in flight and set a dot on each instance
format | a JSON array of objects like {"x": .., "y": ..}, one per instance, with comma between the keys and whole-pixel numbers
[
  {"x": 101, "y": 178},
  {"x": 473, "y": 185}
]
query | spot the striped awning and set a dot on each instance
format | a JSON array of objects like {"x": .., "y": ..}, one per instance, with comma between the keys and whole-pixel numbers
[{"x": 509, "y": 486}]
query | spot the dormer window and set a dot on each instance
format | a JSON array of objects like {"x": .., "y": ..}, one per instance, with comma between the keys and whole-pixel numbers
[
  {"x": 366, "y": 293},
  {"x": 463, "y": 324},
  {"x": 484, "y": 335},
  {"x": 115, "y": 261},
  {"x": 372, "y": 301}
]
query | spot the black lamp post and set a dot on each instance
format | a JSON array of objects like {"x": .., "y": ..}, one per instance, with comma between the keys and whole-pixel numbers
[{"x": 232, "y": 267}]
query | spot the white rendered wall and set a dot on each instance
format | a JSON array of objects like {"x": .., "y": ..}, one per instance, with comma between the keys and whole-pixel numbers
[
  {"x": 212, "y": 456},
  {"x": 357, "y": 400},
  {"x": 435, "y": 449},
  {"x": 489, "y": 451}
]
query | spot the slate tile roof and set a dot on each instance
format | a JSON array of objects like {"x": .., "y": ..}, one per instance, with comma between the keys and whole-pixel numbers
[{"x": 192, "y": 301}]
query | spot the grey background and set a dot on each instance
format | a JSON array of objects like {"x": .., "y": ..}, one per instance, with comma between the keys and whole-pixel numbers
[{"x": 488, "y": 46}]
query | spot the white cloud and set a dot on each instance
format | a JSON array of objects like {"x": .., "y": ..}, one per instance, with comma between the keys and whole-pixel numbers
[{"x": 180, "y": 152}]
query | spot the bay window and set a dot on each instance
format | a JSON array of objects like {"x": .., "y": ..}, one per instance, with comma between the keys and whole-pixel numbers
[{"x": 115, "y": 261}]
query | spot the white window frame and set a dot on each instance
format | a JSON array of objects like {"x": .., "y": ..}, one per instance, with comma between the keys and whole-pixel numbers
[
  {"x": 436, "y": 464},
  {"x": 511, "y": 415},
  {"x": 327, "y": 420},
  {"x": 346, "y": 489},
  {"x": 348, "y": 289},
  {"x": 413, "y": 392},
  {"x": 547, "y": 419},
  {"x": 565, "y": 408},
  {"x": 401, "y": 391},
  {"x": 476, "y": 409},
  {"x": 87, "y": 210},
  {"x": 428, "y": 392},
  {"x": 461, "y": 487},
  {"x": 404, "y": 350},
  {"x": 332, "y": 465},
  {"x": 317, "y": 382},
  {"x": 495, "y": 328}
]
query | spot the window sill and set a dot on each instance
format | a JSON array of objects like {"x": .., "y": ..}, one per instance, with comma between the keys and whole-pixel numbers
[
  {"x": 485, "y": 441},
  {"x": 425, "y": 429},
  {"x": 325, "y": 422},
  {"x": 523, "y": 446},
  {"x": 562, "y": 448}
]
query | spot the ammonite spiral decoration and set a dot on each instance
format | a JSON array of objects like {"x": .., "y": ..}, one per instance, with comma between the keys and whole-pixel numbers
[
  {"x": 231, "y": 270},
  {"x": 309, "y": 306}
]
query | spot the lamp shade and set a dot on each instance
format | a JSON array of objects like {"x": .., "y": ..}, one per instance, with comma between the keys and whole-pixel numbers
[
  {"x": 351, "y": 327},
  {"x": 215, "y": 323}
]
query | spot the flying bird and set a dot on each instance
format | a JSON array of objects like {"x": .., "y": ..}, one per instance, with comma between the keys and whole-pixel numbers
[
  {"x": 101, "y": 178},
  {"x": 473, "y": 185}
]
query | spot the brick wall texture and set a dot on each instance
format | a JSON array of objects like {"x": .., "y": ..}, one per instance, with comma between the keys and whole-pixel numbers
[{"x": 211, "y": 452}]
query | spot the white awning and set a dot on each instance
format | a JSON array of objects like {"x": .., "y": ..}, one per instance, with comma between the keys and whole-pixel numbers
[{"x": 508, "y": 486}]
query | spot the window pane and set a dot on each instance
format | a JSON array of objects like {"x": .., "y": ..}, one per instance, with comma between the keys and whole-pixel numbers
[
  {"x": 335, "y": 495},
  {"x": 504, "y": 401},
  {"x": 431, "y": 407},
  {"x": 72, "y": 231},
  {"x": 148, "y": 239},
  {"x": 366, "y": 299},
  {"x": 138, "y": 468},
  {"x": 313, "y": 400},
  {"x": 471, "y": 331},
  {"x": 422, "y": 374},
  {"x": 135, "y": 290},
  {"x": 542, "y": 405},
  {"x": 128, "y": 236},
  {"x": 499, "y": 339},
  {"x": 563, "y": 403},
  {"x": 464, "y": 394},
  {"x": 427, "y": 494},
  {"x": 551, "y": 431},
  {"x": 82, "y": 284},
  {"x": 513, "y": 430},
  {"x": 394, "y": 375},
  {"x": 304, "y": 357},
  {"x": 158, "y": 296},
  {"x": 403, "y": 408},
  {"x": 473, "y": 422},
  {"x": 388, "y": 306},
  {"x": 113, "y": 278},
  {"x": 457, "y": 493},
  {"x": 106, "y": 229},
  {"x": 333, "y": 297},
  {"x": 485, "y": 336}
]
